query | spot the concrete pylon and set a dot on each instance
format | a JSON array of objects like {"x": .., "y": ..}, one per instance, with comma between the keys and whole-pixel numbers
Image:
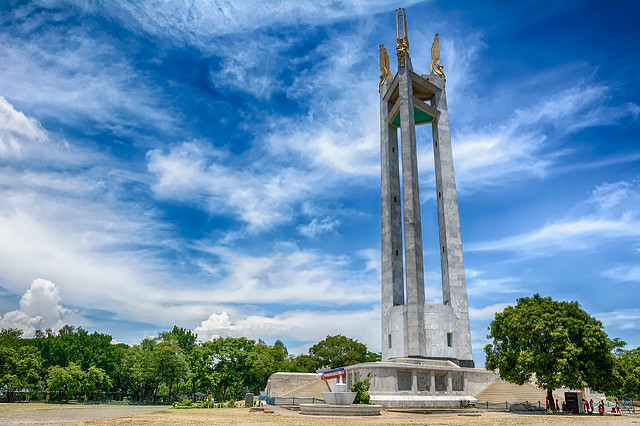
[{"x": 410, "y": 327}]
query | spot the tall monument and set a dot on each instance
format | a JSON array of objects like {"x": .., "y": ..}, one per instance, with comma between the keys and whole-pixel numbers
[{"x": 412, "y": 328}]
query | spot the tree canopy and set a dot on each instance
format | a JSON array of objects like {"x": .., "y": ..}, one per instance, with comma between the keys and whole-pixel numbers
[
  {"x": 557, "y": 341},
  {"x": 76, "y": 364},
  {"x": 339, "y": 351}
]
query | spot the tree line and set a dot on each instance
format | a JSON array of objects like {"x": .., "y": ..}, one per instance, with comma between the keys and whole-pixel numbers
[{"x": 76, "y": 364}]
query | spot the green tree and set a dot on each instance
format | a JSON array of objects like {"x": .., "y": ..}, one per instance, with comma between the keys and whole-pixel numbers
[
  {"x": 339, "y": 351},
  {"x": 156, "y": 361},
  {"x": 628, "y": 368},
  {"x": 232, "y": 358},
  {"x": 186, "y": 338},
  {"x": 66, "y": 381},
  {"x": 269, "y": 360},
  {"x": 95, "y": 380},
  {"x": 20, "y": 366},
  {"x": 557, "y": 341}
]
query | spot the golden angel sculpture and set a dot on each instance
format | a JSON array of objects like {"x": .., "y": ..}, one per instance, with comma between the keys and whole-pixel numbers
[
  {"x": 385, "y": 72},
  {"x": 435, "y": 58}
]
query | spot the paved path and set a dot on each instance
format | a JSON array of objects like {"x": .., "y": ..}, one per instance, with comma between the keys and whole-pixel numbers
[{"x": 58, "y": 415}]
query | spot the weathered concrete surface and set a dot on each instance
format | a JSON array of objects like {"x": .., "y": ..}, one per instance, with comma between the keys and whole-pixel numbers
[
  {"x": 340, "y": 410},
  {"x": 68, "y": 414}
]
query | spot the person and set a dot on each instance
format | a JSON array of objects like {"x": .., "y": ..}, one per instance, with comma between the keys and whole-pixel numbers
[
  {"x": 601, "y": 408},
  {"x": 617, "y": 407},
  {"x": 548, "y": 410},
  {"x": 591, "y": 406},
  {"x": 586, "y": 407},
  {"x": 557, "y": 407}
]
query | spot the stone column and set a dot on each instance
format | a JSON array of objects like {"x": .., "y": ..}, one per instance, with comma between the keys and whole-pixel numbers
[
  {"x": 432, "y": 381},
  {"x": 449, "y": 383},
  {"x": 412, "y": 220},
  {"x": 391, "y": 218},
  {"x": 454, "y": 287},
  {"x": 414, "y": 381}
]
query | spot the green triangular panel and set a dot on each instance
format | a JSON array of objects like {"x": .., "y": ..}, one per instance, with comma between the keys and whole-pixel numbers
[{"x": 420, "y": 116}]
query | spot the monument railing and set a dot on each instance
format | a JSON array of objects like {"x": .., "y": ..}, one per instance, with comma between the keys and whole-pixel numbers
[{"x": 292, "y": 400}]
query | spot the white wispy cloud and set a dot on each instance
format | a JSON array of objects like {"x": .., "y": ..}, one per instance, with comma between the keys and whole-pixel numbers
[
  {"x": 197, "y": 21},
  {"x": 478, "y": 285},
  {"x": 199, "y": 175},
  {"x": 487, "y": 312},
  {"x": 290, "y": 276},
  {"x": 616, "y": 216},
  {"x": 16, "y": 130},
  {"x": 316, "y": 227},
  {"x": 623, "y": 319},
  {"x": 76, "y": 77},
  {"x": 623, "y": 273}
]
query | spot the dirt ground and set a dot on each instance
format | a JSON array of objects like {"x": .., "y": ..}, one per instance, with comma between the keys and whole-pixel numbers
[{"x": 112, "y": 415}]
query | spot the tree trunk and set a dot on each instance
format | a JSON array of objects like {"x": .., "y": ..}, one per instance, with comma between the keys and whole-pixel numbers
[{"x": 552, "y": 403}]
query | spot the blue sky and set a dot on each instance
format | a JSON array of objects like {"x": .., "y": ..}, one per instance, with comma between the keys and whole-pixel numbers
[{"x": 215, "y": 164}]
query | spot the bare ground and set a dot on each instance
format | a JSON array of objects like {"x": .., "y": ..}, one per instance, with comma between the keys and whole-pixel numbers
[{"x": 118, "y": 415}]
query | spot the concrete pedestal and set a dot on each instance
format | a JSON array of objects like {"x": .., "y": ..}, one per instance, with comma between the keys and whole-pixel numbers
[{"x": 340, "y": 410}]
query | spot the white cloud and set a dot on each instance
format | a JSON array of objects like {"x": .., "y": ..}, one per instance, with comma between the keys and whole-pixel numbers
[
  {"x": 40, "y": 308},
  {"x": 514, "y": 147},
  {"x": 316, "y": 227},
  {"x": 201, "y": 176},
  {"x": 291, "y": 276},
  {"x": 617, "y": 217},
  {"x": 486, "y": 313},
  {"x": 623, "y": 273},
  {"x": 199, "y": 21},
  {"x": 303, "y": 326},
  {"x": 76, "y": 77},
  {"x": 623, "y": 319},
  {"x": 478, "y": 284},
  {"x": 16, "y": 130}
]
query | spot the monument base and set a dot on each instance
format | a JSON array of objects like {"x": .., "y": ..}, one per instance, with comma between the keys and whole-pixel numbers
[
  {"x": 340, "y": 410},
  {"x": 422, "y": 401},
  {"x": 421, "y": 383}
]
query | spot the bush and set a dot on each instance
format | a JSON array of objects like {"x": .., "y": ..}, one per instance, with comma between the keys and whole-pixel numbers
[
  {"x": 185, "y": 403},
  {"x": 361, "y": 388},
  {"x": 231, "y": 403}
]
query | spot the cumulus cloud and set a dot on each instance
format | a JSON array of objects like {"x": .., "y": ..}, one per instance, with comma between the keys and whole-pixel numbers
[{"x": 40, "y": 308}]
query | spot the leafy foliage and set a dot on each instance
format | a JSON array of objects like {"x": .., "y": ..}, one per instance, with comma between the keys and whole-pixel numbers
[
  {"x": 339, "y": 351},
  {"x": 76, "y": 364},
  {"x": 557, "y": 341},
  {"x": 361, "y": 388}
]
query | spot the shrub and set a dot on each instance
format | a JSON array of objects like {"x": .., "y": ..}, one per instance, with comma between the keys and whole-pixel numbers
[{"x": 361, "y": 388}]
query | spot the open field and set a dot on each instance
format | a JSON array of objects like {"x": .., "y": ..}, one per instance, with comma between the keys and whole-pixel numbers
[{"x": 112, "y": 415}]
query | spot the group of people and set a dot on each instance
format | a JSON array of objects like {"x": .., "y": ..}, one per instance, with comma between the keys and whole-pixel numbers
[{"x": 588, "y": 407}]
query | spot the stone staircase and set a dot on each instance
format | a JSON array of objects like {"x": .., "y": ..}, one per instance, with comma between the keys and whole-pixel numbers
[
  {"x": 312, "y": 389},
  {"x": 501, "y": 391},
  {"x": 302, "y": 385}
]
